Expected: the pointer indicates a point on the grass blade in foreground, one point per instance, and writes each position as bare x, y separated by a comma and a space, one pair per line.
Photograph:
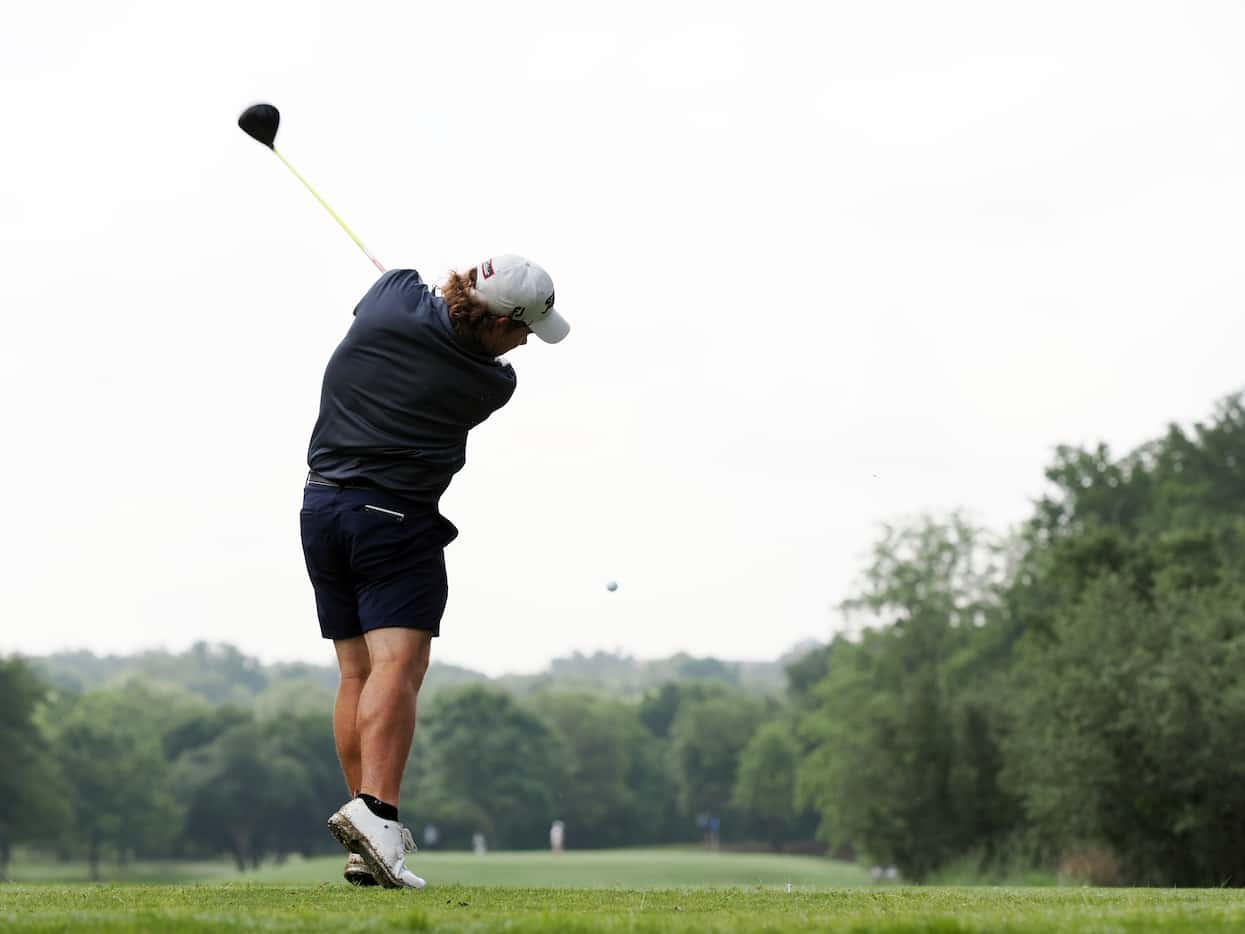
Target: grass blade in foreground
230, 907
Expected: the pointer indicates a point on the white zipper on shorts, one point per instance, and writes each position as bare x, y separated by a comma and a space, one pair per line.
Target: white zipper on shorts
388, 512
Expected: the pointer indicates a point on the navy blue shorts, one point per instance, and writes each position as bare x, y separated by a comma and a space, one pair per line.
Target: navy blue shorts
375, 560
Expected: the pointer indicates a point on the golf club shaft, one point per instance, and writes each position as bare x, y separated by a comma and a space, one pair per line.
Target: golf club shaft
374, 260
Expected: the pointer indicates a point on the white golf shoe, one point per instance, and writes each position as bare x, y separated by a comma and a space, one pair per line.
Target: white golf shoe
382, 844
356, 871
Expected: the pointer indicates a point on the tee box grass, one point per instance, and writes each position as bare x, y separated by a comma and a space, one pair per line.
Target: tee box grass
625, 890
126, 909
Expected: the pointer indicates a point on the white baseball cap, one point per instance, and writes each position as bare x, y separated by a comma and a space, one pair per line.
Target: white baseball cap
514, 287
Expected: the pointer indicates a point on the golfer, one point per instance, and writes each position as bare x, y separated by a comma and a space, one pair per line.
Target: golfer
416, 371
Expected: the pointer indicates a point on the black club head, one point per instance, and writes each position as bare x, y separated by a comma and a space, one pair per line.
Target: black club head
260, 122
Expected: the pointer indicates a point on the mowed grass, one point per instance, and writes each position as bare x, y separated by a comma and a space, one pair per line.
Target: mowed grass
602, 869
630, 869
122, 909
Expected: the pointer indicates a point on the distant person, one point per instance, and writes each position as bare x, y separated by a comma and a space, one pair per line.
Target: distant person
432, 836
478, 846
415, 372
557, 833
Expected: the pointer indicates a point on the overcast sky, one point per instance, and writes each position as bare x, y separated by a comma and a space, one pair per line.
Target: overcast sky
827, 265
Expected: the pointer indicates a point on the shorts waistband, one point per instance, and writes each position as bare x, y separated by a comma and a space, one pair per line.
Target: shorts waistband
321, 480
375, 489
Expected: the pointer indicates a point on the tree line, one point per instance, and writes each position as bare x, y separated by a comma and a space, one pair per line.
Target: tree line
1069, 693
221, 674
135, 771
1072, 690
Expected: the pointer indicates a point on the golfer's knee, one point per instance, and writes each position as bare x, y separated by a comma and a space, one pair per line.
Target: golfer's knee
356, 670
401, 654
354, 663
405, 668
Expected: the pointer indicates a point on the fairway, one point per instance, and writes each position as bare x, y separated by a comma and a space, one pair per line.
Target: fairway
238, 907
630, 869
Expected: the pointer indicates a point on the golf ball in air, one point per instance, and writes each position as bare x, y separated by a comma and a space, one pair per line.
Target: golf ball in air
612, 586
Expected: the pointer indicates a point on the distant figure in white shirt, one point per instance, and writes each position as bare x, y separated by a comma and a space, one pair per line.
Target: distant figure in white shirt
556, 833
477, 844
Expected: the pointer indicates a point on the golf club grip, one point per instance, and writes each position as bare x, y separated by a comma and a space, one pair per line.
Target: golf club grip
358, 242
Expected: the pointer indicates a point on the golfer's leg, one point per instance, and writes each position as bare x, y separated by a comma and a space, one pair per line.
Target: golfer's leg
354, 664
386, 718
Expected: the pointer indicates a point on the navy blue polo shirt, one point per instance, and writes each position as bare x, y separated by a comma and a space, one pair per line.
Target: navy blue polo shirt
401, 391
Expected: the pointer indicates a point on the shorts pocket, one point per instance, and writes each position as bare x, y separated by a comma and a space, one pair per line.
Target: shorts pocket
392, 514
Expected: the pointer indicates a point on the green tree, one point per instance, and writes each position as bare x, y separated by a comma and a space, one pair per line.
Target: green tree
33, 803
499, 762
107, 744
246, 796
659, 706
198, 725
900, 761
1134, 714
805, 672
430, 797
612, 789
707, 737
706, 669
306, 739
765, 787
1124, 609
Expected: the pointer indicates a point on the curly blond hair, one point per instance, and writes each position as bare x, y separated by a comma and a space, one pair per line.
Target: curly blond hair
468, 315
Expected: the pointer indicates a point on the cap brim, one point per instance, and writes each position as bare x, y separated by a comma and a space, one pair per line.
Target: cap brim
551, 328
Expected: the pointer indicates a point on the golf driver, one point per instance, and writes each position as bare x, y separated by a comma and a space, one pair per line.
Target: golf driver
260, 122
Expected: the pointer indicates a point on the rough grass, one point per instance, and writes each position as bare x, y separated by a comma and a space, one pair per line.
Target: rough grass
121, 909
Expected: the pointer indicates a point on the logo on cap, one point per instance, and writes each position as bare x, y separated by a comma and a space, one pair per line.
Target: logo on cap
549, 302
487, 268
